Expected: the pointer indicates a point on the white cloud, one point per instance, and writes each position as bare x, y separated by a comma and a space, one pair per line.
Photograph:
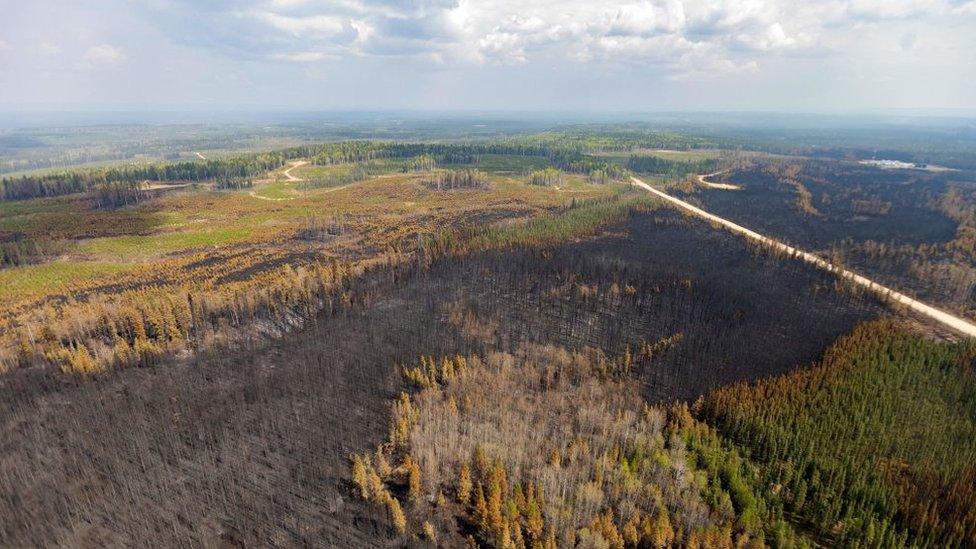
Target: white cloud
102, 55
719, 33
773, 38
4, 46
301, 56
893, 9
493, 53
966, 8
723, 35
49, 48
299, 26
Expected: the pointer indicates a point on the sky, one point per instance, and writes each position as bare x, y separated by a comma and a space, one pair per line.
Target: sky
744, 55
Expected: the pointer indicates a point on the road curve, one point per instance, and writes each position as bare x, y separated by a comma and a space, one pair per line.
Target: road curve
961, 325
289, 176
703, 179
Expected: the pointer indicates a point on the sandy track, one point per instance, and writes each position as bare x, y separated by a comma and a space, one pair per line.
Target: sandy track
703, 179
269, 199
330, 190
287, 173
954, 322
148, 185
288, 178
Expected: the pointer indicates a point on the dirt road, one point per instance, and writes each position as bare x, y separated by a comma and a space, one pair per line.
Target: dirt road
954, 322
148, 185
703, 179
287, 173
289, 178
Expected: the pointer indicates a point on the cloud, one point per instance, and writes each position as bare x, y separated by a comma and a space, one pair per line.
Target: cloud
314, 25
965, 8
301, 56
908, 41
102, 55
663, 39
876, 10
721, 34
4, 46
772, 38
49, 48
490, 53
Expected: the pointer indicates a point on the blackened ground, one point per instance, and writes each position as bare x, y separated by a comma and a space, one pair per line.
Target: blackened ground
765, 203
739, 313
252, 447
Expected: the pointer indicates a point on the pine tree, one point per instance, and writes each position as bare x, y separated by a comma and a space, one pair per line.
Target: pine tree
82, 362
480, 507
429, 532
383, 468
464, 484
413, 480
359, 475
397, 518
494, 499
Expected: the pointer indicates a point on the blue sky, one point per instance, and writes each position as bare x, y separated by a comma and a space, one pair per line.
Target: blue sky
780, 55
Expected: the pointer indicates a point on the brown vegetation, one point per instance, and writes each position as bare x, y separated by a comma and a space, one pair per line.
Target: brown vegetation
543, 448
252, 447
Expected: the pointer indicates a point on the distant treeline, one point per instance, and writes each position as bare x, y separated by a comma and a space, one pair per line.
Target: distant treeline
443, 153
229, 172
676, 168
235, 172
568, 157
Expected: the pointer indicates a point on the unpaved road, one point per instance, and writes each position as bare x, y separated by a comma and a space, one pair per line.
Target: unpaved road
287, 173
269, 199
289, 178
954, 322
148, 185
703, 179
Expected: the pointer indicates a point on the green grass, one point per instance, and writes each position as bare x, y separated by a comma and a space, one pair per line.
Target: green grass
573, 182
278, 190
17, 282
505, 164
585, 219
129, 248
103, 242
324, 177
16, 208
311, 172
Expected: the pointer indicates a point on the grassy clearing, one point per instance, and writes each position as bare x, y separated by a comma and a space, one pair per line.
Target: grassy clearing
323, 177
312, 172
32, 280
575, 183
185, 221
17, 208
278, 190
568, 225
221, 244
127, 248
581, 220
503, 164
